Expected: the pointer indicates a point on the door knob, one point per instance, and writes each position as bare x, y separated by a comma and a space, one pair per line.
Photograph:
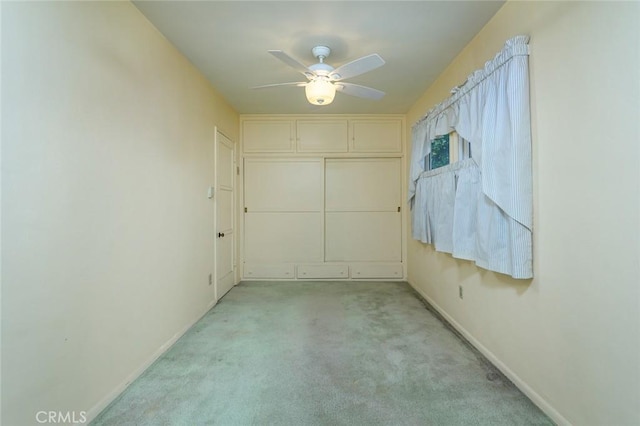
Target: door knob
220, 234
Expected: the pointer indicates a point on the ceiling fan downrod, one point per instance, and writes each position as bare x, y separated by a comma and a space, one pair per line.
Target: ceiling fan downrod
321, 52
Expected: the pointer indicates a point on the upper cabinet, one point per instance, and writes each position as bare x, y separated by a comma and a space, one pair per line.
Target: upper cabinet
376, 136
268, 136
322, 134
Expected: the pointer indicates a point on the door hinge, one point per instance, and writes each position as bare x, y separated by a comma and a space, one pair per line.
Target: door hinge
238, 170
245, 209
398, 209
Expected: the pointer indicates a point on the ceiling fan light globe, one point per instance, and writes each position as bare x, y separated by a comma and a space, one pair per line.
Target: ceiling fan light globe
320, 92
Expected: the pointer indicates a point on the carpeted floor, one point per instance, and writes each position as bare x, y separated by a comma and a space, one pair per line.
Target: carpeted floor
321, 353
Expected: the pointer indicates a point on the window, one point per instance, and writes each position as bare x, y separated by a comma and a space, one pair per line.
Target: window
439, 155
447, 149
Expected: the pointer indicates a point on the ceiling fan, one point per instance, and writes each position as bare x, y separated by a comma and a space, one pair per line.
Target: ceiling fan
324, 80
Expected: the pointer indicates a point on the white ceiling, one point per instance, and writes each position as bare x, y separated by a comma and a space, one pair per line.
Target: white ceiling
228, 42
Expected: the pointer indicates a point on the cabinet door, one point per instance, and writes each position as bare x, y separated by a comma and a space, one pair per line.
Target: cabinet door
268, 136
322, 135
376, 136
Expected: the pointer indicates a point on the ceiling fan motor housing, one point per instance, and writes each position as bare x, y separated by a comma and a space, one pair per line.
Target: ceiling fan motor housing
321, 52
321, 69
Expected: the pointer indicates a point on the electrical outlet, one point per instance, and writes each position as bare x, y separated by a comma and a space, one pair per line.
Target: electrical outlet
460, 293
210, 279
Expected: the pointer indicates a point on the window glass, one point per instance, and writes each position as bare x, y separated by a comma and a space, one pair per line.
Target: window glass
439, 155
443, 147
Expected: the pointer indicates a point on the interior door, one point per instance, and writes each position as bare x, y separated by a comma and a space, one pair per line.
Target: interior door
224, 196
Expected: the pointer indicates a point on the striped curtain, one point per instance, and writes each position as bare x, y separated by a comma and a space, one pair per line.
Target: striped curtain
487, 215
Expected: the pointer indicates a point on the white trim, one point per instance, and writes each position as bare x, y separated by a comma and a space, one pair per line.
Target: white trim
215, 212
94, 411
535, 397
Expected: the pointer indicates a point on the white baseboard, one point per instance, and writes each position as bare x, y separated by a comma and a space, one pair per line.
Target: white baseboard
111, 396
543, 404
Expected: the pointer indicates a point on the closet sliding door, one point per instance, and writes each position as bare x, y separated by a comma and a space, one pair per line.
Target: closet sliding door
284, 215
362, 215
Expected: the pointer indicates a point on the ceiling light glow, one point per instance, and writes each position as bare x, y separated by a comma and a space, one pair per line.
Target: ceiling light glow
320, 91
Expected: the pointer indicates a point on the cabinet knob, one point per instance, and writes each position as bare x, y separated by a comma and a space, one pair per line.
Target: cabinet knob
220, 234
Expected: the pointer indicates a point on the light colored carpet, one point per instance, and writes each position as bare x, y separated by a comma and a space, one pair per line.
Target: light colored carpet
321, 353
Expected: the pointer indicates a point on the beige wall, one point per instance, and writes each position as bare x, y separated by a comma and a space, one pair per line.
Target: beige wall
108, 235
570, 337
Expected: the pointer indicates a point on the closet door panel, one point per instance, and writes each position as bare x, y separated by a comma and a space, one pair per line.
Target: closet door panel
283, 237
279, 185
363, 237
363, 184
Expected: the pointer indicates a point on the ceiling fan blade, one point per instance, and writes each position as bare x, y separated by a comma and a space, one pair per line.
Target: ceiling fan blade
357, 67
294, 63
296, 83
360, 91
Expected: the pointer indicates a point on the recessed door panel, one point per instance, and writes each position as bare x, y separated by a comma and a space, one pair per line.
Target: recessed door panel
225, 166
224, 218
